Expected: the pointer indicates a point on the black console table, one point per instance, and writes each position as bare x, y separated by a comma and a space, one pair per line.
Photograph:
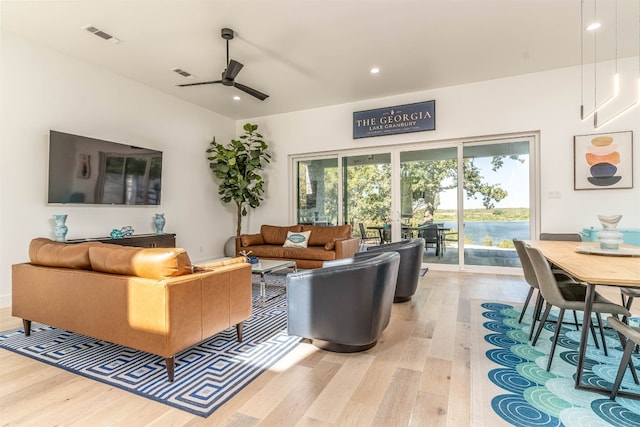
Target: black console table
141, 240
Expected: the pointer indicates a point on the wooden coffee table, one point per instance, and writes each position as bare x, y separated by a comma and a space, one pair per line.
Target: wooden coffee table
269, 266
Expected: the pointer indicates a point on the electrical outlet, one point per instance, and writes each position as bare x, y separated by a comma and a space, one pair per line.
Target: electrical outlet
554, 195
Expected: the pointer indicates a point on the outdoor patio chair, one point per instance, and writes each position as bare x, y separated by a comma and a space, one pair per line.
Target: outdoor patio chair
431, 236
366, 237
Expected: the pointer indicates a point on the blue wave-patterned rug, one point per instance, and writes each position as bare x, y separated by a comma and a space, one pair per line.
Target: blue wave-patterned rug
535, 397
206, 375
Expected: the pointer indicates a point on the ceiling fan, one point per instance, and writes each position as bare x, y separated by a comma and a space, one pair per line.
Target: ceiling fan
230, 73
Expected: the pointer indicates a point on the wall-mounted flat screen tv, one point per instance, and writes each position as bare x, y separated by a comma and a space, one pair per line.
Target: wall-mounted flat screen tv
86, 170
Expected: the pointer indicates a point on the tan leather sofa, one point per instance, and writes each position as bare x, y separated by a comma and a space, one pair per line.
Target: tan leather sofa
149, 299
326, 243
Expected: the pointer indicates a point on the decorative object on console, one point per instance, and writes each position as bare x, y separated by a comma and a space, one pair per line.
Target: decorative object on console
159, 221
60, 230
609, 237
126, 231
237, 166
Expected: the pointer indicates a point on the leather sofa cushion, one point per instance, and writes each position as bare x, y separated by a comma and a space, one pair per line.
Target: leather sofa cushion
213, 266
150, 263
321, 235
251, 239
46, 252
266, 251
311, 252
276, 235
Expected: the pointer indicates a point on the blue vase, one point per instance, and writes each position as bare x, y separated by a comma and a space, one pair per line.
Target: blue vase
60, 230
158, 221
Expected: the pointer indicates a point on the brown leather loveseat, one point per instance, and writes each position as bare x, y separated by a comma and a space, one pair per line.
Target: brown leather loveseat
325, 243
148, 299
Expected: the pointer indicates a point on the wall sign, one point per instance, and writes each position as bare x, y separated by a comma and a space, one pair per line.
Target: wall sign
407, 118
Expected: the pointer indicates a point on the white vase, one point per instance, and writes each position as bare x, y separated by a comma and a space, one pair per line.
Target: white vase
609, 238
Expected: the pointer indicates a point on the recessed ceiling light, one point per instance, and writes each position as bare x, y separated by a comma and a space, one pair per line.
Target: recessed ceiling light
593, 27
236, 98
374, 70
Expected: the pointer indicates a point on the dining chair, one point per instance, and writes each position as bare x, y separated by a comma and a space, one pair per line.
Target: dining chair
627, 295
566, 297
431, 236
532, 281
365, 237
562, 237
629, 338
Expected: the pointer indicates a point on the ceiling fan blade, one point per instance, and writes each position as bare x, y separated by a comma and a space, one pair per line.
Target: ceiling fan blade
261, 96
232, 70
201, 83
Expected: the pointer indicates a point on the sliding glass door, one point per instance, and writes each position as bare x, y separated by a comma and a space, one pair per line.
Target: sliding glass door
366, 196
496, 200
429, 206
467, 199
317, 191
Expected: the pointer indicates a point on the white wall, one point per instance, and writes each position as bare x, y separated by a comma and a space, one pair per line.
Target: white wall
547, 102
43, 90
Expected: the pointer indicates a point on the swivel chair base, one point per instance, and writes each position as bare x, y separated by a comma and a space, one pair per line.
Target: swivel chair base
341, 348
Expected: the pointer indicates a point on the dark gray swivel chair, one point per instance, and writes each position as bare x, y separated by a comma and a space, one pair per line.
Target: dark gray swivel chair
345, 305
410, 262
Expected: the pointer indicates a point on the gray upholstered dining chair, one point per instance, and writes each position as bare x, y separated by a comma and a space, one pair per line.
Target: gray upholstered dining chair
627, 295
530, 277
564, 237
629, 338
561, 237
567, 297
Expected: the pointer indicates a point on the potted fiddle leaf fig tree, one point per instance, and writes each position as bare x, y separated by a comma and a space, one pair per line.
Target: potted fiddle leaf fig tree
238, 167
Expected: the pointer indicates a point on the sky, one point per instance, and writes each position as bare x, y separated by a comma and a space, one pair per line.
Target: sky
512, 177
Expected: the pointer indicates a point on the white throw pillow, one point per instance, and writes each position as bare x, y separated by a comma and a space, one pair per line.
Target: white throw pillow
297, 239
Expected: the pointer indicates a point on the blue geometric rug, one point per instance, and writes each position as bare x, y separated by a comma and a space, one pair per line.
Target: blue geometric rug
206, 375
534, 397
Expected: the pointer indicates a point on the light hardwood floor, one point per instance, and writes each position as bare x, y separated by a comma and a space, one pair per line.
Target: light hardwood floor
417, 375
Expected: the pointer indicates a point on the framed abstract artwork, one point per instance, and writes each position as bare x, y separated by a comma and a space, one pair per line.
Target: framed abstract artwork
603, 161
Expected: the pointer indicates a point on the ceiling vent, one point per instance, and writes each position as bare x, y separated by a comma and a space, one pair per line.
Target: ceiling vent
183, 73
97, 32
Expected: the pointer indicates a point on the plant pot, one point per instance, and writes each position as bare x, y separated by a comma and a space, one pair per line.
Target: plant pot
230, 247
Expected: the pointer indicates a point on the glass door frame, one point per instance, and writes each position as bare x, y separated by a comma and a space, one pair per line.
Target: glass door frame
396, 219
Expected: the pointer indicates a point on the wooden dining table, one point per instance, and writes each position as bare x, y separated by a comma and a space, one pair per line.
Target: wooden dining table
591, 269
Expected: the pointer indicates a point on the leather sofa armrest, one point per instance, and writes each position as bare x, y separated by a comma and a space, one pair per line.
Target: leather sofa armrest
347, 248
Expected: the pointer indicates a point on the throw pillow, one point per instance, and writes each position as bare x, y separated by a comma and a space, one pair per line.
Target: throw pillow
297, 239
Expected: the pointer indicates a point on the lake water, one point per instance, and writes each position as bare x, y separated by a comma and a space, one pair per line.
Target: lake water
498, 230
